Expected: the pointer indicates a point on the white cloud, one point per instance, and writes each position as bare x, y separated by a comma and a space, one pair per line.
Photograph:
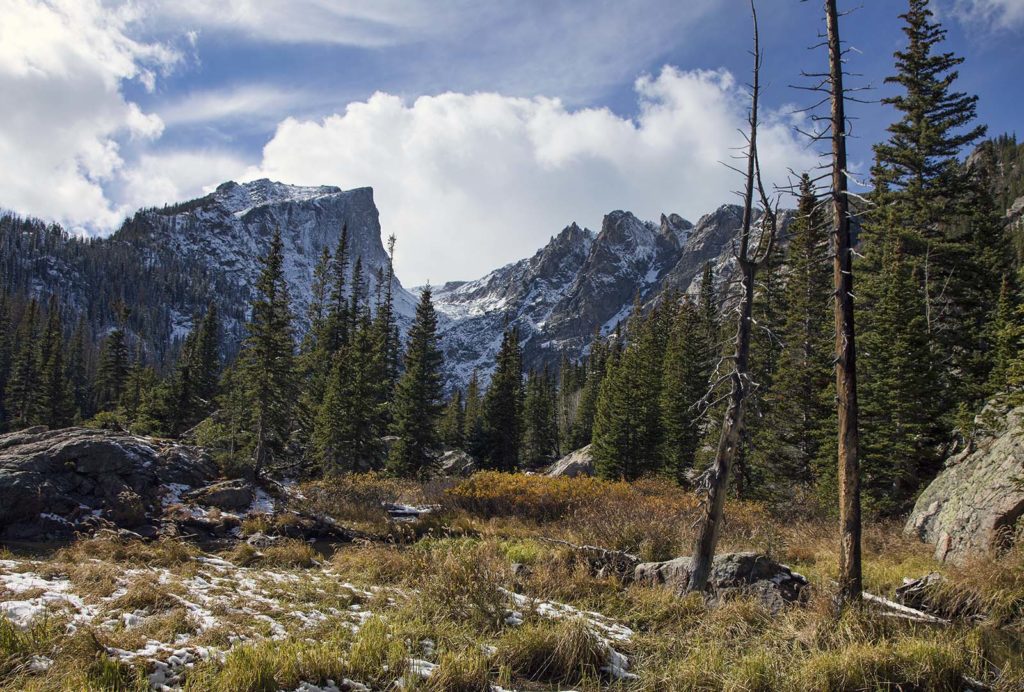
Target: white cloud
158, 179
250, 101
998, 14
62, 66
355, 22
470, 181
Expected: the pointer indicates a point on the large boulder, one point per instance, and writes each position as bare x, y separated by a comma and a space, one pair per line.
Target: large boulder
61, 480
578, 463
974, 506
751, 573
455, 462
231, 495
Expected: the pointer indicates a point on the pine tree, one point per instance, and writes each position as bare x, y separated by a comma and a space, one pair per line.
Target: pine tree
453, 423
684, 383
314, 361
25, 375
473, 428
112, 372
267, 362
917, 168
54, 402
337, 317
418, 396
358, 295
386, 328
503, 407
6, 329
540, 422
206, 359
1004, 340
627, 430
798, 417
349, 422
582, 431
708, 310
78, 375
950, 230
898, 433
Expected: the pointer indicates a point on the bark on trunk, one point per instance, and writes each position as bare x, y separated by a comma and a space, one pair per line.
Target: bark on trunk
850, 583
717, 479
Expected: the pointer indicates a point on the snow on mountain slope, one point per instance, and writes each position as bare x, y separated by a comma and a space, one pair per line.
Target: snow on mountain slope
577, 283
230, 229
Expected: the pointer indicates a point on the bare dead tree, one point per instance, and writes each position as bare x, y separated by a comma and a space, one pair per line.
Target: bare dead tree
748, 258
850, 582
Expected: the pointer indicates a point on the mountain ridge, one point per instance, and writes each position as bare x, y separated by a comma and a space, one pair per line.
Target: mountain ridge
580, 282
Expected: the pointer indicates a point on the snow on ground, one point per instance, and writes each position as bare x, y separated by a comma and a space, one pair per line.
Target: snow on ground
244, 604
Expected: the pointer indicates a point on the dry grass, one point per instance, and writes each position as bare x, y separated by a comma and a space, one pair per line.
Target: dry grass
437, 595
564, 651
146, 593
109, 547
285, 552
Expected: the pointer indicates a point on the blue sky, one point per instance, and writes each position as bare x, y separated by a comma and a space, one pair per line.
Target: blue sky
483, 126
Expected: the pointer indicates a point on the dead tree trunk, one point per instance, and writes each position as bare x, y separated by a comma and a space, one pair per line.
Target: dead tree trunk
850, 585
716, 480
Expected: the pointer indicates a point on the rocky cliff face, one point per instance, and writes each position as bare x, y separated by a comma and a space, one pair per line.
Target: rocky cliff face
227, 232
975, 505
579, 284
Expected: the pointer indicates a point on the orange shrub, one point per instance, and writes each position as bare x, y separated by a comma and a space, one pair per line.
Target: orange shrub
493, 494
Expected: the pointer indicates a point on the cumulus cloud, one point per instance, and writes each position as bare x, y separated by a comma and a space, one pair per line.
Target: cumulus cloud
998, 14
161, 178
471, 181
62, 66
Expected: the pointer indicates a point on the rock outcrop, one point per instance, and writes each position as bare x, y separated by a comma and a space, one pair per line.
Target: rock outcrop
578, 463
455, 462
974, 506
61, 481
751, 573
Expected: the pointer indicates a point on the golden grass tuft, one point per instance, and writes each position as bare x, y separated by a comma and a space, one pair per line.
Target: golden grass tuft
563, 651
109, 547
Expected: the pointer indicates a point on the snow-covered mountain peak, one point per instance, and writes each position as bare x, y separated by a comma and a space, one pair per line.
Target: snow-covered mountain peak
239, 198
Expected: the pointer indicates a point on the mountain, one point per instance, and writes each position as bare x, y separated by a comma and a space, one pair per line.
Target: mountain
578, 284
166, 263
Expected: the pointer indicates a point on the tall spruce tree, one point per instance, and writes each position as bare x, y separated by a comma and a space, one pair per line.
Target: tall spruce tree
25, 369
797, 415
540, 421
917, 169
349, 422
452, 427
581, 432
627, 424
112, 372
924, 191
1004, 339
54, 400
686, 372
314, 360
899, 436
78, 373
5, 355
473, 429
267, 362
503, 407
337, 315
418, 396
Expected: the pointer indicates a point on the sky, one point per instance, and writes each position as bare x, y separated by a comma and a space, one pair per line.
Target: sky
484, 126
